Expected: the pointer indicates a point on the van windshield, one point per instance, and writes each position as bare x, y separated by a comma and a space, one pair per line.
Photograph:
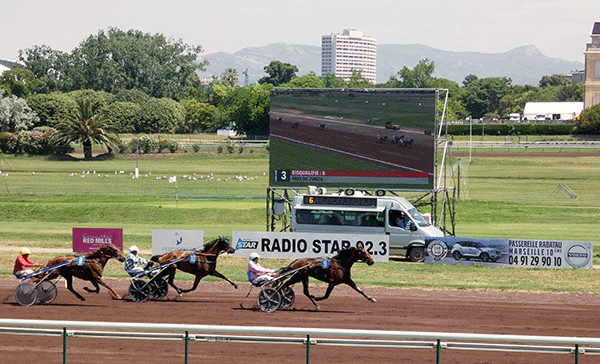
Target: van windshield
419, 219
340, 217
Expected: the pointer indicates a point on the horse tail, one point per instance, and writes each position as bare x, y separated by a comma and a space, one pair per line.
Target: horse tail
155, 258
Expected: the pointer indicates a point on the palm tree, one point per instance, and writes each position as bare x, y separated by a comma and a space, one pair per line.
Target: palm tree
86, 125
230, 77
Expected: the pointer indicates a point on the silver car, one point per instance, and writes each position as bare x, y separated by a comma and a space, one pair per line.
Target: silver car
475, 250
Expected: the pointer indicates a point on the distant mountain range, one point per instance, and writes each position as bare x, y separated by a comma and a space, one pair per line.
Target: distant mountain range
524, 65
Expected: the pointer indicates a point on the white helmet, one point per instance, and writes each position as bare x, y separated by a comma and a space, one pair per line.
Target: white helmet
254, 256
133, 249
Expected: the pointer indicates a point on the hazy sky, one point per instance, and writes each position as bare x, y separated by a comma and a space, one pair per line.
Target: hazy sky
559, 29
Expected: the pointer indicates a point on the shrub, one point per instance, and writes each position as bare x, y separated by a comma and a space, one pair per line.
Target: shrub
146, 144
39, 142
14, 143
8, 142
122, 146
162, 145
229, 146
173, 145
196, 147
589, 122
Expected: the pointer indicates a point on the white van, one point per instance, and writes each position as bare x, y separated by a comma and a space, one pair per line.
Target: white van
357, 214
515, 117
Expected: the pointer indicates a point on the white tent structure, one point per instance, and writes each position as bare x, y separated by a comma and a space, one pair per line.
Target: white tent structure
566, 110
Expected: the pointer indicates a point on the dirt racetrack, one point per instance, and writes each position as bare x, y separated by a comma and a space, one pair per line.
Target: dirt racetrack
484, 312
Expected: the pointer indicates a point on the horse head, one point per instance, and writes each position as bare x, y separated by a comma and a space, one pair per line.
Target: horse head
111, 251
361, 254
225, 245
218, 246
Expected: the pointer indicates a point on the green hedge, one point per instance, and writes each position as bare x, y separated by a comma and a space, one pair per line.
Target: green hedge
511, 129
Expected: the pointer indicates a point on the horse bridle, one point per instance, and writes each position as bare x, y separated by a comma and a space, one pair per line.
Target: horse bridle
95, 260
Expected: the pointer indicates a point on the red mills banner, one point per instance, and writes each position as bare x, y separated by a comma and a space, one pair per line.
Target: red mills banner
86, 240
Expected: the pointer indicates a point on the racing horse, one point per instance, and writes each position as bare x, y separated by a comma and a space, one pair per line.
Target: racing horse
205, 263
338, 271
91, 270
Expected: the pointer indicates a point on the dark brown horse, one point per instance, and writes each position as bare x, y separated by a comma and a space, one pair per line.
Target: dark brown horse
205, 263
91, 270
338, 271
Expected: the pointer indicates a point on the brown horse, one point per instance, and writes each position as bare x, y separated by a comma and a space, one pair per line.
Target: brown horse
338, 271
91, 270
205, 263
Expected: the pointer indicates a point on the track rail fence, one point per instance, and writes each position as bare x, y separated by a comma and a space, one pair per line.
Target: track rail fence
308, 337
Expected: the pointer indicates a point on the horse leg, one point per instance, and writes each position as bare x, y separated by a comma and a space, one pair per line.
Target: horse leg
114, 294
304, 279
327, 293
307, 294
97, 290
355, 287
219, 275
69, 279
196, 282
171, 280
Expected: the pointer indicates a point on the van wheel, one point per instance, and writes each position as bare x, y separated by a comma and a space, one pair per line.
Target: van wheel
416, 254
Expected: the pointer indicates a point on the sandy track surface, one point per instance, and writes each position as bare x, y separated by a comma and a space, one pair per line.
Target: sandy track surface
484, 312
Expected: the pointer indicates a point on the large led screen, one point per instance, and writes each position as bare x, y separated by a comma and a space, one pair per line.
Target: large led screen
353, 138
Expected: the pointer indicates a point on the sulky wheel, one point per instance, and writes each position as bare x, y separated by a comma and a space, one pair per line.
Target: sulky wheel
269, 300
158, 288
25, 294
139, 291
287, 297
46, 292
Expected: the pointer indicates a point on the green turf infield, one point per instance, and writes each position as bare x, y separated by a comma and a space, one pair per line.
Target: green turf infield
41, 200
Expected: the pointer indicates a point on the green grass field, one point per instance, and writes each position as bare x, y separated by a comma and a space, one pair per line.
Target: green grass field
501, 197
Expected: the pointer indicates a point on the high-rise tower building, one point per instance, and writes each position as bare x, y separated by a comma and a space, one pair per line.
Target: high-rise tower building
351, 50
592, 69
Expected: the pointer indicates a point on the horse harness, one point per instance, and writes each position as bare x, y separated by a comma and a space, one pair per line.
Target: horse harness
207, 261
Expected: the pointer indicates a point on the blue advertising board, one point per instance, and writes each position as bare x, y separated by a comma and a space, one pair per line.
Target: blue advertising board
555, 254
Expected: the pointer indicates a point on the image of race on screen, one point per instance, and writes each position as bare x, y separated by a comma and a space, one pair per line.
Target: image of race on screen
376, 138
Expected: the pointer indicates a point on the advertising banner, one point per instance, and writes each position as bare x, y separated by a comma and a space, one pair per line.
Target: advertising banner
286, 245
555, 254
87, 240
164, 241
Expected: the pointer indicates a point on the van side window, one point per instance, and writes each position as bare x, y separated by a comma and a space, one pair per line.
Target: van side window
369, 219
306, 217
328, 217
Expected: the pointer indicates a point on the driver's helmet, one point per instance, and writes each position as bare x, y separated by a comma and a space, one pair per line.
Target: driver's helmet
254, 256
133, 249
24, 251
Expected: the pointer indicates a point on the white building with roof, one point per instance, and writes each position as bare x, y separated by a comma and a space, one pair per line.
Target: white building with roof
566, 110
592, 69
350, 50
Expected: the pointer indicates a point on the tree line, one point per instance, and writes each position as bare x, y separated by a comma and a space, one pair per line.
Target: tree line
135, 82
